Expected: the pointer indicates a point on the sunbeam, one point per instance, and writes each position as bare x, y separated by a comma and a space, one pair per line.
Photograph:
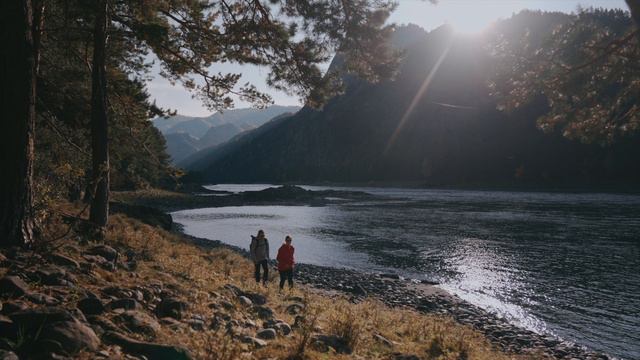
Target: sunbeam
419, 94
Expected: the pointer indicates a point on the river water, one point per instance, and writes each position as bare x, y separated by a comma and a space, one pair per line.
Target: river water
557, 263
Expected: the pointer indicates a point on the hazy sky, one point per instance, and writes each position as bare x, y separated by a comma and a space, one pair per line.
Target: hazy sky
465, 15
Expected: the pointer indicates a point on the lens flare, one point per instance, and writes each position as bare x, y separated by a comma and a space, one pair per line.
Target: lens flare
423, 88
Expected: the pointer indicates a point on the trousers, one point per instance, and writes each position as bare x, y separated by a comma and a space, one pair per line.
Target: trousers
265, 271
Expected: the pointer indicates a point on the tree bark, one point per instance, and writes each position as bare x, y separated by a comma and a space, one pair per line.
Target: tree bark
634, 7
18, 67
99, 122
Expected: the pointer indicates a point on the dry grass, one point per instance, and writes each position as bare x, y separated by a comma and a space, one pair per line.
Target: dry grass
200, 274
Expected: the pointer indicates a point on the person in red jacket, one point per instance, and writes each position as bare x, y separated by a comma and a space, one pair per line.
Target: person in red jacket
285, 262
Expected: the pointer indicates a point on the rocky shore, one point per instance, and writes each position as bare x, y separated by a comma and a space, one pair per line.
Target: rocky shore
428, 298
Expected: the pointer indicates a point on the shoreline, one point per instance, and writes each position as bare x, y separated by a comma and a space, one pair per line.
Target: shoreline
621, 189
388, 289
426, 298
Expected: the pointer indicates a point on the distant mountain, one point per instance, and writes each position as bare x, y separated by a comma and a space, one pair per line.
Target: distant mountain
451, 134
186, 135
218, 134
180, 145
243, 118
205, 156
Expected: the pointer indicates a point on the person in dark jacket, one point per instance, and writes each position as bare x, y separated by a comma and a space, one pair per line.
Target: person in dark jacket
285, 262
259, 250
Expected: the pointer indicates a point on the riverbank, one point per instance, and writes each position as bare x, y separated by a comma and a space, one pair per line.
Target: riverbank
142, 292
432, 300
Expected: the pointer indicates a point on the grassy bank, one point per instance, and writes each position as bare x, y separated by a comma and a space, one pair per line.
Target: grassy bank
217, 323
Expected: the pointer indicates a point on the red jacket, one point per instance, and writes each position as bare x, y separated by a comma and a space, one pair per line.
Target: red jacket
285, 257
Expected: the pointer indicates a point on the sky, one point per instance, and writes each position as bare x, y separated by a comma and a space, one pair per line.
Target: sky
466, 16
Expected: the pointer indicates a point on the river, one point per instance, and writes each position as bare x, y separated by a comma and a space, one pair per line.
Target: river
563, 264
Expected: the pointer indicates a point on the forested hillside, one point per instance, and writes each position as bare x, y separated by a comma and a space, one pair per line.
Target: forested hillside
452, 134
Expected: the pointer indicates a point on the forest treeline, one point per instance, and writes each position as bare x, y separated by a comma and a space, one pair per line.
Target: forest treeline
75, 111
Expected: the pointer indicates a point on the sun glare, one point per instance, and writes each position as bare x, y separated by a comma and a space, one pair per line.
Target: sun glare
471, 18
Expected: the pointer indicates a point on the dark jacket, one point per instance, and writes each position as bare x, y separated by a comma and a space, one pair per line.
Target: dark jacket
259, 249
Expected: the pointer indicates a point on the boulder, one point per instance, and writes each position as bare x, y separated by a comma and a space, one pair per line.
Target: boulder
43, 299
266, 334
10, 307
63, 260
53, 275
127, 304
263, 312
227, 305
138, 322
13, 286
283, 328
55, 330
255, 298
117, 292
245, 301
171, 307
106, 251
258, 343
147, 349
91, 306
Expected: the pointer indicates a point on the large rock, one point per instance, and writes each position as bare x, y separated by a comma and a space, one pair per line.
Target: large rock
64, 260
255, 298
254, 341
55, 330
53, 275
106, 251
13, 286
138, 322
91, 306
263, 312
150, 350
42, 299
171, 307
126, 303
283, 328
266, 334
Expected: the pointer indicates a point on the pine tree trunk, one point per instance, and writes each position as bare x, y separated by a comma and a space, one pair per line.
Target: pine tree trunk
634, 7
17, 121
99, 123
